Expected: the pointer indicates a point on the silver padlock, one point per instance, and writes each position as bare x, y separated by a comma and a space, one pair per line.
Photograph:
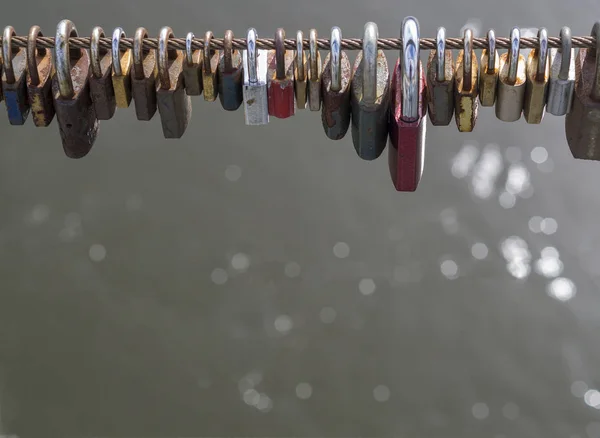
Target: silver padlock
512, 81
562, 76
256, 101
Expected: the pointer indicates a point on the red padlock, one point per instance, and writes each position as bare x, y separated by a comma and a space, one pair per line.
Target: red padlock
406, 152
280, 90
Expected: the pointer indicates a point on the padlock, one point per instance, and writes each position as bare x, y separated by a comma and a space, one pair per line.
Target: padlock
280, 79
314, 73
101, 86
408, 124
174, 105
562, 76
210, 69
14, 79
39, 80
121, 74
582, 124
440, 82
510, 95
370, 98
256, 104
75, 111
143, 77
192, 68
300, 73
538, 75
231, 75
490, 67
466, 86
335, 82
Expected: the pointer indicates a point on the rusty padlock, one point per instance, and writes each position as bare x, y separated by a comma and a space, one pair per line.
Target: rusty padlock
490, 67
174, 105
512, 80
582, 124
336, 79
370, 97
314, 73
101, 86
75, 112
538, 75
14, 79
39, 80
466, 87
256, 105
143, 77
440, 82
408, 125
192, 68
562, 76
300, 73
121, 74
231, 75
210, 69
280, 79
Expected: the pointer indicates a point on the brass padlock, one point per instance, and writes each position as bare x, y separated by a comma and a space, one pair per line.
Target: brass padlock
538, 74
14, 79
582, 124
210, 67
192, 68
75, 112
101, 86
314, 73
490, 68
174, 105
39, 80
300, 73
511, 81
466, 86
121, 74
143, 77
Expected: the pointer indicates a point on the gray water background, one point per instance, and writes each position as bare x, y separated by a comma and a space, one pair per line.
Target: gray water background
264, 281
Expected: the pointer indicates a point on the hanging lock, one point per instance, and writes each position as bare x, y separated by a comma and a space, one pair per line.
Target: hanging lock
511, 81
192, 68
101, 86
39, 80
14, 79
440, 82
231, 75
256, 105
582, 124
370, 97
121, 75
174, 105
408, 126
75, 111
280, 79
490, 67
314, 73
143, 77
538, 74
210, 69
466, 86
300, 72
336, 78
562, 76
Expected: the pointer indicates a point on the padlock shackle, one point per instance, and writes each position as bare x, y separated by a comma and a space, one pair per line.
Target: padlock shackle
95, 51
314, 53
138, 52
513, 55
542, 54
492, 52
300, 56
9, 32
64, 31
163, 57
467, 59
189, 51
596, 84
118, 33
280, 53
32, 52
251, 38
369, 72
566, 43
440, 51
336, 58
228, 51
410, 67
207, 53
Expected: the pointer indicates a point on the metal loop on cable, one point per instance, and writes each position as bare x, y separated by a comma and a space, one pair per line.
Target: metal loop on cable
116, 51
336, 59
513, 54
440, 43
369, 75
251, 53
410, 68
566, 49
163, 57
138, 52
32, 52
7, 53
189, 51
300, 55
491, 38
65, 30
95, 51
